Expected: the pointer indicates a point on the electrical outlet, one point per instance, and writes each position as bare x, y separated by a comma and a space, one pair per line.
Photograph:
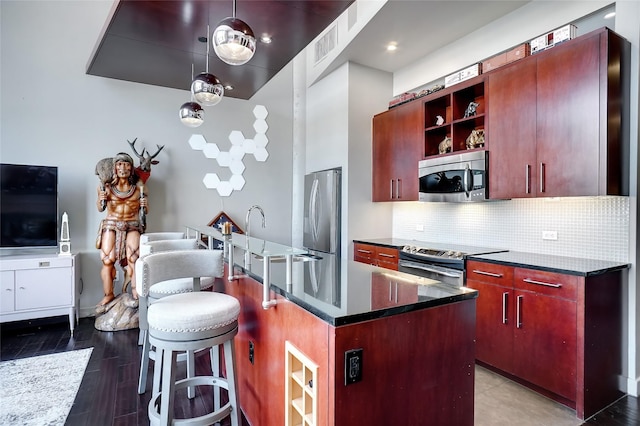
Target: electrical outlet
550, 235
352, 366
420, 228
251, 352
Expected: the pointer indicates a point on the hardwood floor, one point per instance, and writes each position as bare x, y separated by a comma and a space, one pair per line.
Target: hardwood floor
108, 392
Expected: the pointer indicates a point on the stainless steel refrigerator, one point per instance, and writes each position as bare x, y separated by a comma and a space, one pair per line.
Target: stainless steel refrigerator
322, 233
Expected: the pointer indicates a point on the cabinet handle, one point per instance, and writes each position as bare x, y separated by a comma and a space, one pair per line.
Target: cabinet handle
396, 295
542, 177
491, 274
527, 176
364, 251
505, 300
399, 188
530, 281
518, 312
385, 255
390, 298
391, 188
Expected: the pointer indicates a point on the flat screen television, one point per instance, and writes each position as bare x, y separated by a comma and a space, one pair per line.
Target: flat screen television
28, 206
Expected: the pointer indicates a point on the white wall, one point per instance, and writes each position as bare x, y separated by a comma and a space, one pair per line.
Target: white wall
53, 113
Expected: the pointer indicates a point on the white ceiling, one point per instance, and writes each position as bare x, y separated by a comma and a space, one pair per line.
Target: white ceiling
419, 27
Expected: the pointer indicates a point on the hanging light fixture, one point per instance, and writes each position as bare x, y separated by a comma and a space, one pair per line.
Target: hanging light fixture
233, 40
191, 113
207, 88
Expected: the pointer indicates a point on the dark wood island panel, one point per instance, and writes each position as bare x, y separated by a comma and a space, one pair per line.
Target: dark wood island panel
417, 365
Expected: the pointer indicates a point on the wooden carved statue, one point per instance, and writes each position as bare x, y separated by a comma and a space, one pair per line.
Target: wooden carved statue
123, 196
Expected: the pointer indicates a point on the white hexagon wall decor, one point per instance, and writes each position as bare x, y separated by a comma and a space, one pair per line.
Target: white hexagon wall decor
234, 158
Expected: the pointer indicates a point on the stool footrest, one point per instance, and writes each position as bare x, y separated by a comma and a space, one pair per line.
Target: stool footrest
204, 420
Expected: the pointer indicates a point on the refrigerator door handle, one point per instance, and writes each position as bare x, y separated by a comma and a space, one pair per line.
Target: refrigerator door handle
313, 213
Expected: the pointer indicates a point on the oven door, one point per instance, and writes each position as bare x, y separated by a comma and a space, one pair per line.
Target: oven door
455, 178
443, 274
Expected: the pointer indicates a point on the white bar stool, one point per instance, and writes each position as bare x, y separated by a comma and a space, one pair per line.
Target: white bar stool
167, 288
189, 322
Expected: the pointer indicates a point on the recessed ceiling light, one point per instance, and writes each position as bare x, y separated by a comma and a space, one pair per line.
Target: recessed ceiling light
266, 39
609, 15
392, 46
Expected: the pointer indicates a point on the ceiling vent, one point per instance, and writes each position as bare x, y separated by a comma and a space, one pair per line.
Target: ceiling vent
326, 44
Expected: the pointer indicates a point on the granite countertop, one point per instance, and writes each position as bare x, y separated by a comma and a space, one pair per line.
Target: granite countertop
551, 263
348, 292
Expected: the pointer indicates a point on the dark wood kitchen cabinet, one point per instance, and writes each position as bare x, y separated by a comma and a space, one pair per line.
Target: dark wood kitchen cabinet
554, 120
557, 333
385, 257
397, 148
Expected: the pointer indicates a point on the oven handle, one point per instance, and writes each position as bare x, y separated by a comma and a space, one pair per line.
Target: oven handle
412, 265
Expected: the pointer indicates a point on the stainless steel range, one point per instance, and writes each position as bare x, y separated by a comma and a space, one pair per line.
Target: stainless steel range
442, 262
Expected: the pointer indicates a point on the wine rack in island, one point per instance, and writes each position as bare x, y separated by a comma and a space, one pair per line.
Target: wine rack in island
300, 389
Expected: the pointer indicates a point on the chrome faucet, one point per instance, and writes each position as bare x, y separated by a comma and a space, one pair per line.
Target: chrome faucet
247, 226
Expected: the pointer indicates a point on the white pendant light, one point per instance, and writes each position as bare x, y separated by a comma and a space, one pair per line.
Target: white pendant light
206, 88
233, 40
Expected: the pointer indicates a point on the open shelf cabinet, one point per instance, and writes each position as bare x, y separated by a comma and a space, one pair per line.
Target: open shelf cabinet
300, 388
451, 107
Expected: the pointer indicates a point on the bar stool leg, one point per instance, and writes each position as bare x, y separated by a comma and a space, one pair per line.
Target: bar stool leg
214, 354
144, 363
157, 371
168, 387
230, 367
191, 372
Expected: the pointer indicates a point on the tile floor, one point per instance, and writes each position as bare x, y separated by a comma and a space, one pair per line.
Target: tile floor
500, 401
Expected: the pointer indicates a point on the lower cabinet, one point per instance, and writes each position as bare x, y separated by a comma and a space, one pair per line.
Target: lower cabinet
38, 286
556, 332
385, 257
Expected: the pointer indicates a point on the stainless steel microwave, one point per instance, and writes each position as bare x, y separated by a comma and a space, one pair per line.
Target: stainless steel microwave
454, 178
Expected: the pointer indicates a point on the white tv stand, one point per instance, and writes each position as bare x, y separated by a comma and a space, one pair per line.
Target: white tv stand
38, 286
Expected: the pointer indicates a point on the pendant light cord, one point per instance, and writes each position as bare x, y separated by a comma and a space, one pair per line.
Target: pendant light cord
207, 66
234, 8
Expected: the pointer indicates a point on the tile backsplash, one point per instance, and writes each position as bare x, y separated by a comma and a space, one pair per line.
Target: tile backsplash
586, 227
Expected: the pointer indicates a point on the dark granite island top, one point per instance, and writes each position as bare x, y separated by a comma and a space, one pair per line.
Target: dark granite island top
347, 292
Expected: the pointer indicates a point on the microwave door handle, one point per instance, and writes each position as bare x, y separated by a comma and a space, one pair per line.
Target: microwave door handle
467, 180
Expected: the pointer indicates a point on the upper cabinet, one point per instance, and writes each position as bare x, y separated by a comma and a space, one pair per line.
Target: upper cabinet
554, 120
551, 122
397, 148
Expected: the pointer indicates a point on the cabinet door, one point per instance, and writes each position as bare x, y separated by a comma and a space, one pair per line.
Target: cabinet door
494, 329
397, 147
383, 167
7, 300
407, 150
364, 253
545, 343
387, 258
568, 116
512, 129
43, 288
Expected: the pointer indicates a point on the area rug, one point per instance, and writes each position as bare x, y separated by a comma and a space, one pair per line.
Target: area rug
39, 391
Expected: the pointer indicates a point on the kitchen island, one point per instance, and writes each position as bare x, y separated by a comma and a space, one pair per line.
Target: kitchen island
364, 346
